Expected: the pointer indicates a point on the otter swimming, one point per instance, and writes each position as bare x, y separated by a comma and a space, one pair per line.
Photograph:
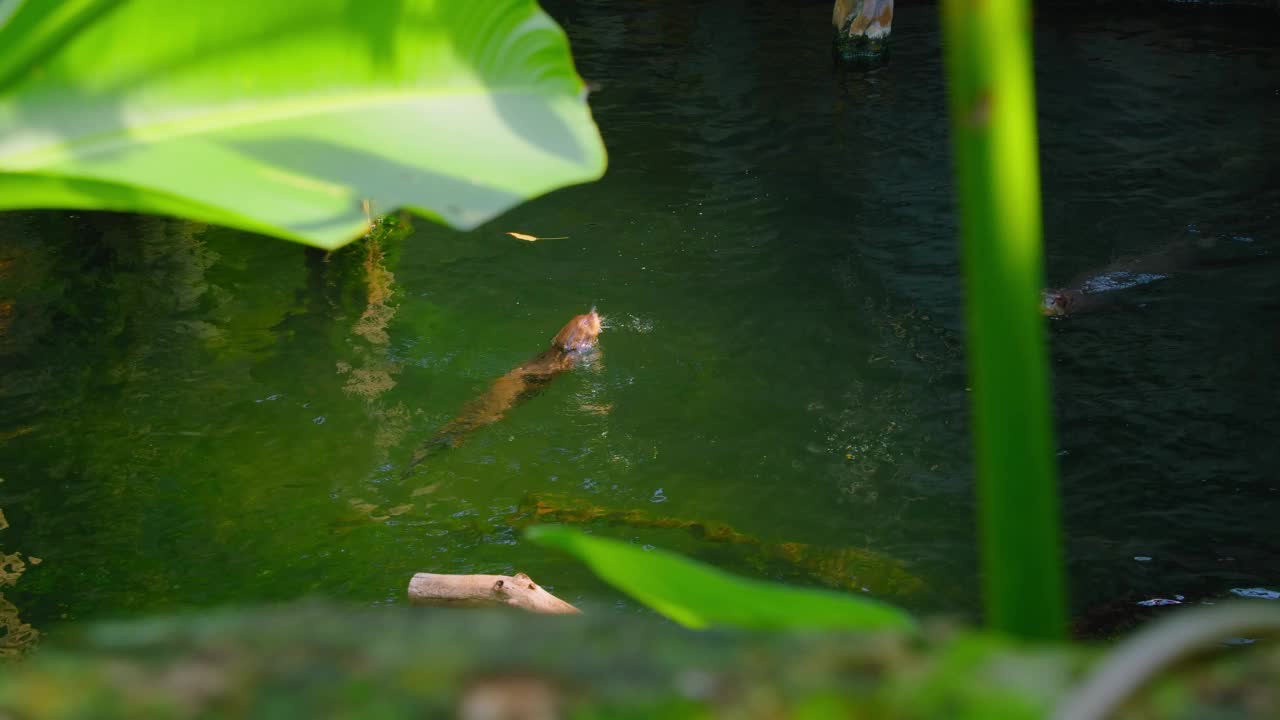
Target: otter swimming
575, 342
1091, 290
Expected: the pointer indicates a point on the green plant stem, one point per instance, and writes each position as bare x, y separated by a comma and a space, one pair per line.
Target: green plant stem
992, 103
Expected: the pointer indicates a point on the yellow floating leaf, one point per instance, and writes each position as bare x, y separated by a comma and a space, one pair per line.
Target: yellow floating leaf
531, 238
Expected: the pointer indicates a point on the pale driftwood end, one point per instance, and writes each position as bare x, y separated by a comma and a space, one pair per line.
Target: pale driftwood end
518, 591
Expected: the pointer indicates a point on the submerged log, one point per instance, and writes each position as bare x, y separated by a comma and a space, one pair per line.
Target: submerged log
862, 30
518, 591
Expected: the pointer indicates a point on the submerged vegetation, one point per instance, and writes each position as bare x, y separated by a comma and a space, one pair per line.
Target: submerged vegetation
16, 637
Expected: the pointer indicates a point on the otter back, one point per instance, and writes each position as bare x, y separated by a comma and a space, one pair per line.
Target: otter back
575, 342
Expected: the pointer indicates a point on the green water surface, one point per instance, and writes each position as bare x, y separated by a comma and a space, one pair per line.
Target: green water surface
195, 417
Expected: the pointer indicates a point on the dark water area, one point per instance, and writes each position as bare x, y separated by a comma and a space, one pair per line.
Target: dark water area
193, 417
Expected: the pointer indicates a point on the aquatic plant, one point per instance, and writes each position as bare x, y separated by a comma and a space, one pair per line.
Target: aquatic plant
289, 118
700, 596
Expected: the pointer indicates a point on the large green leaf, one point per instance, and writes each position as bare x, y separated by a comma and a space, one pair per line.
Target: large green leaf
284, 117
699, 596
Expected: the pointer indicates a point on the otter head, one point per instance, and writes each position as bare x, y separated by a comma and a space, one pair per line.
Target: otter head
1056, 303
579, 334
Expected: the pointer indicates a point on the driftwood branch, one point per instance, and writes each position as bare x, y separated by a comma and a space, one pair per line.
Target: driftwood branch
516, 591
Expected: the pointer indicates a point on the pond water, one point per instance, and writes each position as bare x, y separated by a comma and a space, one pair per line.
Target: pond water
195, 417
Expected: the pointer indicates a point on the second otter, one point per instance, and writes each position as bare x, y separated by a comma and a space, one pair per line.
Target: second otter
1092, 290
575, 342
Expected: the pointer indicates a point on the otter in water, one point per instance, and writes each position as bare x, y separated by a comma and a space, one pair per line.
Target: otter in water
1092, 290
575, 342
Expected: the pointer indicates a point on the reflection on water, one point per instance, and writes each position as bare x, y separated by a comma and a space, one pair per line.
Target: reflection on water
1120, 280
373, 373
192, 417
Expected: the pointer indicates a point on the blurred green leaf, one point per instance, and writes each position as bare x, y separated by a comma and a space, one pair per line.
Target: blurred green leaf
699, 596
285, 117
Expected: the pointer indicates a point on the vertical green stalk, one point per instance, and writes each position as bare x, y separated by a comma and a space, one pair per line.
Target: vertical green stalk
992, 101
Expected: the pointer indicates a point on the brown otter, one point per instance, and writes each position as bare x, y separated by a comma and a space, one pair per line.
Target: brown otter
575, 342
1094, 289
1091, 290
